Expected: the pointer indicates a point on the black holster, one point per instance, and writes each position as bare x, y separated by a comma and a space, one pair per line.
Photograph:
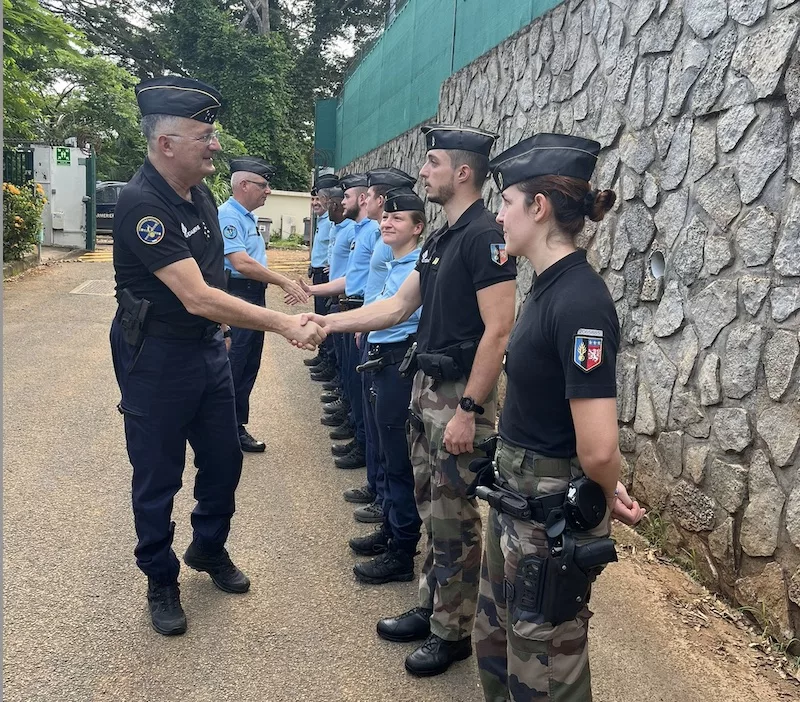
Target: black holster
134, 316
409, 365
454, 363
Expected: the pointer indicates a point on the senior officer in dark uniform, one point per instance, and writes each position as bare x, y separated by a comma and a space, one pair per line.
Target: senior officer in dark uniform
168, 349
465, 284
246, 266
558, 435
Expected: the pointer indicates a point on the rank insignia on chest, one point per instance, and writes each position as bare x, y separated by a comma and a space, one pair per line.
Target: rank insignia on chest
587, 352
499, 255
150, 230
352, 244
435, 261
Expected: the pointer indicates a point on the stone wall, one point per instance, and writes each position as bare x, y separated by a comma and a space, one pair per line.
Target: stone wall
696, 104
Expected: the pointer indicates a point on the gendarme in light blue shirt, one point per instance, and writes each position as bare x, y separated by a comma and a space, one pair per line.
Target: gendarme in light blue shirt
367, 234
399, 270
378, 270
322, 238
343, 238
239, 233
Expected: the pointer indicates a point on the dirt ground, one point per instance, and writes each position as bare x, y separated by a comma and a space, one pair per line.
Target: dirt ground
75, 624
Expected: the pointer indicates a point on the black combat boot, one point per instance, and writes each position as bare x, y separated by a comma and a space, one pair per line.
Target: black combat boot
343, 432
343, 449
436, 655
164, 602
359, 495
332, 385
224, 574
369, 514
250, 444
413, 625
336, 419
375, 543
357, 458
313, 362
392, 566
323, 374
331, 396
336, 406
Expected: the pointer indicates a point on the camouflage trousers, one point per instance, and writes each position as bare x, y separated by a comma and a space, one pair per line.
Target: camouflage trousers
449, 579
519, 657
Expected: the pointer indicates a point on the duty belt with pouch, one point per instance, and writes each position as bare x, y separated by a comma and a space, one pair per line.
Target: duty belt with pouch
454, 363
382, 355
554, 588
350, 303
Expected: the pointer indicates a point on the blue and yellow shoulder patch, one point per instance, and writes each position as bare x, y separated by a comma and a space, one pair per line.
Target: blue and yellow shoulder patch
229, 232
150, 230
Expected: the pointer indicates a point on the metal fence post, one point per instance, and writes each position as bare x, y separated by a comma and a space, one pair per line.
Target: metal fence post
91, 202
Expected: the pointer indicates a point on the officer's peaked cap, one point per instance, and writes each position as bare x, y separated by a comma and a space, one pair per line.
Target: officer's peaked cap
251, 164
403, 200
326, 180
392, 177
450, 136
178, 96
354, 180
545, 154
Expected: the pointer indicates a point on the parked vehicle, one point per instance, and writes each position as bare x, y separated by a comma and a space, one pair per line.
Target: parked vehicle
107, 194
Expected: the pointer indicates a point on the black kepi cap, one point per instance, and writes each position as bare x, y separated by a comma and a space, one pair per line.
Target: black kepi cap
545, 154
180, 97
450, 136
326, 180
403, 200
392, 177
251, 164
354, 180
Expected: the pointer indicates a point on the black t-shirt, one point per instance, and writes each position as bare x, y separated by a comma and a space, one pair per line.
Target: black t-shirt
154, 227
563, 346
454, 264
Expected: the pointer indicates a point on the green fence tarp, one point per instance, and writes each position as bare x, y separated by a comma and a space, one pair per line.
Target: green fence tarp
396, 84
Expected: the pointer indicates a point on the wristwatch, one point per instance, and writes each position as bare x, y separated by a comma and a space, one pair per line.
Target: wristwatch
469, 405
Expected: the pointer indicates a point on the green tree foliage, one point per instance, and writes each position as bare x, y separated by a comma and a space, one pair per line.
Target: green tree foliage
251, 73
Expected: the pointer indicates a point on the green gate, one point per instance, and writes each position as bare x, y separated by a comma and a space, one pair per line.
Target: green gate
17, 166
91, 201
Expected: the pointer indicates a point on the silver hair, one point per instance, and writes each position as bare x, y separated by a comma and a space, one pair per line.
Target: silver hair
153, 126
236, 178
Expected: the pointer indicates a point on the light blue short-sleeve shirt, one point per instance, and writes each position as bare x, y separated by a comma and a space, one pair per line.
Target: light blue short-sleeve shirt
378, 270
239, 233
367, 234
322, 238
399, 270
344, 238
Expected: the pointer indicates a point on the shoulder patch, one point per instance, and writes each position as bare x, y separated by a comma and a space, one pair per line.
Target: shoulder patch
229, 232
498, 252
150, 230
587, 352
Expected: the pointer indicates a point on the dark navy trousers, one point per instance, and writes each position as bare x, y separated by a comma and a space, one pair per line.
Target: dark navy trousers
392, 399
352, 357
374, 460
247, 347
174, 391
318, 277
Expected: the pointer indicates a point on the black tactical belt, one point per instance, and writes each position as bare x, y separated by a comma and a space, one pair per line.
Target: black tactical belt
350, 303
316, 270
245, 284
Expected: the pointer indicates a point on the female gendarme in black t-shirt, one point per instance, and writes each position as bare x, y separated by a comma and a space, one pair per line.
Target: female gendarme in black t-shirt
559, 422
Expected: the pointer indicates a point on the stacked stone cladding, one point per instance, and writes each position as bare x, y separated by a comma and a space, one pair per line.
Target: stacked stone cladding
696, 104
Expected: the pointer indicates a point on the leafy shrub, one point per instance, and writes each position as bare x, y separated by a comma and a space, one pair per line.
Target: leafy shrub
22, 219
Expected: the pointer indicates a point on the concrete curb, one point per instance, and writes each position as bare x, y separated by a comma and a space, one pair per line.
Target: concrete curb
33, 260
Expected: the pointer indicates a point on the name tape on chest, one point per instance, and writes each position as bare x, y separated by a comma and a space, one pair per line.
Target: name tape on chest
499, 254
150, 230
587, 352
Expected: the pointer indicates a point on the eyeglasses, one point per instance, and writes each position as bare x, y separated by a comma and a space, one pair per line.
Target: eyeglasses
263, 186
205, 138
